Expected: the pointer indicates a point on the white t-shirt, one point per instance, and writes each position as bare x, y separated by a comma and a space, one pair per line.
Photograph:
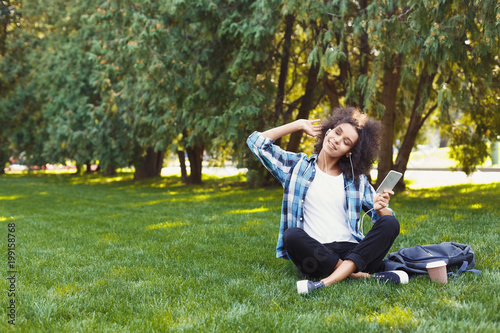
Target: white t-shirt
325, 216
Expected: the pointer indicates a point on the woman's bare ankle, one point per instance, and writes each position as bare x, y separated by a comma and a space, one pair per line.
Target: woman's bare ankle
360, 275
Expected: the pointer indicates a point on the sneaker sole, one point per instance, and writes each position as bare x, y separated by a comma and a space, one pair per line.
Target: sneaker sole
403, 276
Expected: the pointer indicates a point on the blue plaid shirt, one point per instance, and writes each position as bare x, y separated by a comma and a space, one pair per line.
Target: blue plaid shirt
296, 171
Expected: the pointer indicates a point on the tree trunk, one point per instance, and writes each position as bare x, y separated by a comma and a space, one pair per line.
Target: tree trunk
182, 161
331, 92
364, 55
305, 107
151, 165
345, 71
195, 156
391, 80
417, 120
88, 167
79, 169
3, 161
3, 28
110, 170
285, 57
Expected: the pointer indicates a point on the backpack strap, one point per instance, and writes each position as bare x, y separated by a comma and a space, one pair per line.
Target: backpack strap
463, 268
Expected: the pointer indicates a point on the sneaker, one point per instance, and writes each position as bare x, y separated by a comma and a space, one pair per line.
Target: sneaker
392, 277
306, 286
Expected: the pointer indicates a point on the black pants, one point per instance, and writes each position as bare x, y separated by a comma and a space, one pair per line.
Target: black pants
316, 260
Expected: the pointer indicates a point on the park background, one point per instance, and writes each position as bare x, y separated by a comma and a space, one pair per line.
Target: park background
101, 100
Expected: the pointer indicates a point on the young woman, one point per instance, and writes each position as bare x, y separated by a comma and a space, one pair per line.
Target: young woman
324, 195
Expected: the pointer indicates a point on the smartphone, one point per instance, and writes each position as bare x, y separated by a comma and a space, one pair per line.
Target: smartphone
390, 181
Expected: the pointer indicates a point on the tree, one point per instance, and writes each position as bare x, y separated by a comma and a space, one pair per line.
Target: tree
10, 19
130, 71
119, 82
477, 122
396, 60
41, 87
456, 52
220, 50
87, 77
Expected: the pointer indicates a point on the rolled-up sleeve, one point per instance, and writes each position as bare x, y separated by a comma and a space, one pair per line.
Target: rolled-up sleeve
276, 160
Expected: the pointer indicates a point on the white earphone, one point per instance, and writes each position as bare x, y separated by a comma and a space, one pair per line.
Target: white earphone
352, 181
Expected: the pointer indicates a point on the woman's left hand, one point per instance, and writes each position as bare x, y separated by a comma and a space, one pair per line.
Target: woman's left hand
381, 201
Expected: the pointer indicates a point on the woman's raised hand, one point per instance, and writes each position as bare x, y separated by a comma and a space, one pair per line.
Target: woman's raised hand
309, 127
300, 124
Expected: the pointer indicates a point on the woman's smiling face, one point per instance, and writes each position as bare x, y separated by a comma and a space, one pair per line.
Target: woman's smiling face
340, 140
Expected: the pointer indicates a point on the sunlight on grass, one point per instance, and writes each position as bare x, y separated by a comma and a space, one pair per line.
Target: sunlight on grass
171, 193
3, 218
250, 211
11, 197
166, 225
451, 302
66, 289
97, 179
476, 206
194, 198
118, 271
394, 318
420, 218
107, 180
149, 203
165, 320
403, 230
41, 172
189, 198
408, 225
332, 318
458, 217
421, 195
251, 224
108, 238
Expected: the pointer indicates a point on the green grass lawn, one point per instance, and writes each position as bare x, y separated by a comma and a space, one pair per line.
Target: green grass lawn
97, 254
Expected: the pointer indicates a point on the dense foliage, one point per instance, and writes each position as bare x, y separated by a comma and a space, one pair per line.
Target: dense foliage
122, 82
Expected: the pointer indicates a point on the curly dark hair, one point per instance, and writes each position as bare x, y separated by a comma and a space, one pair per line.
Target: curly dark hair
365, 152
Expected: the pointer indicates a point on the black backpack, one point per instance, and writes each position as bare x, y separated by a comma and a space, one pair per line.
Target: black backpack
413, 260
